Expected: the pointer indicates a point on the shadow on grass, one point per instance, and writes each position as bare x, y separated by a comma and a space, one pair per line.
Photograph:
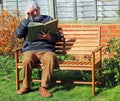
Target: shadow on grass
66, 78
64, 85
66, 81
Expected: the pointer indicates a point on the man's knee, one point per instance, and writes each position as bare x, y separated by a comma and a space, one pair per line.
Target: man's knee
49, 55
27, 57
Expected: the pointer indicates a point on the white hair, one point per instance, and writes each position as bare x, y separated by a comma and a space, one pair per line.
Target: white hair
33, 5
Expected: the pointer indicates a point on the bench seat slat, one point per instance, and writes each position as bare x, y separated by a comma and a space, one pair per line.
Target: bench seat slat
79, 32
71, 28
78, 44
67, 64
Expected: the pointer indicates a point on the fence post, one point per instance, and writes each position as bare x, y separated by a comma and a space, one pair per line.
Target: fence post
17, 7
51, 6
75, 10
1, 2
95, 5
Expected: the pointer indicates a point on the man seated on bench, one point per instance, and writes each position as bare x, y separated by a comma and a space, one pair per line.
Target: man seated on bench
37, 51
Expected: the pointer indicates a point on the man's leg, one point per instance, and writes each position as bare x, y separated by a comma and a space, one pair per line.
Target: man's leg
48, 60
28, 61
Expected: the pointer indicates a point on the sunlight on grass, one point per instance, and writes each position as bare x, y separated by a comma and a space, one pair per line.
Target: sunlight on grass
111, 94
61, 92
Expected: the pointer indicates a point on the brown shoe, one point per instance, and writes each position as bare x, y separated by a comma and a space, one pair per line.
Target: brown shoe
44, 92
23, 90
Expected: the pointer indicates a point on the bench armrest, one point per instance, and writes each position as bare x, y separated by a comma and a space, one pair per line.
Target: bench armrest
94, 60
97, 49
17, 49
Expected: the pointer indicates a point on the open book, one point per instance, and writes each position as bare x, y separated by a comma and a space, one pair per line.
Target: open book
35, 28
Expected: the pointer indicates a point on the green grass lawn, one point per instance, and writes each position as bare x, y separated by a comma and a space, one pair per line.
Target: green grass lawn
61, 92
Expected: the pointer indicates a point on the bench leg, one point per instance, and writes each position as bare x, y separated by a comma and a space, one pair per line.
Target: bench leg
100, 69
100, 75
17, 79
93, 74
93, 83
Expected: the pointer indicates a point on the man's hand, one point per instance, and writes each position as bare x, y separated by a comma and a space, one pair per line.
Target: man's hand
44, 35
28, 13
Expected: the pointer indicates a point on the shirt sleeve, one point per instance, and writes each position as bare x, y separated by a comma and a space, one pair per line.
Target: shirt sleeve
21, 30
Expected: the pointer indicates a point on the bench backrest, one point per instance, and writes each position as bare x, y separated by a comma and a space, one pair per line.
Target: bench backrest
78, 40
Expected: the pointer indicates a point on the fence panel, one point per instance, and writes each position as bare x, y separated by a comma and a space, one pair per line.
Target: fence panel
69, 9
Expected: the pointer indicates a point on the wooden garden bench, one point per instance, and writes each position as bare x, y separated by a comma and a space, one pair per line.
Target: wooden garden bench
81, 43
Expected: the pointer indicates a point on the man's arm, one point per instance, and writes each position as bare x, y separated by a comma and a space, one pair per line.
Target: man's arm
21, 30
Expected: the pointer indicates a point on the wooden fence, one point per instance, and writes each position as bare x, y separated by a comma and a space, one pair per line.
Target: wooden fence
70, 9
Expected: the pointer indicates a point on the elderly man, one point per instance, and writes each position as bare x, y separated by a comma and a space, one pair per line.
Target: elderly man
37, 51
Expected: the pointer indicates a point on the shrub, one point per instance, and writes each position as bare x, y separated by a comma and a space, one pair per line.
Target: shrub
7, 64
111, 64
65, 57
8, 23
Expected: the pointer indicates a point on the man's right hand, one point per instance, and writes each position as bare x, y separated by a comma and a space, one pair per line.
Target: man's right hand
28, 13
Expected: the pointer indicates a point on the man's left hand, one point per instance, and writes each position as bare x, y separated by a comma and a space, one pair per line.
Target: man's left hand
44, 35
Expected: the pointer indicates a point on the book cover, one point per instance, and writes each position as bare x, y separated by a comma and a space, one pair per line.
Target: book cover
35, 28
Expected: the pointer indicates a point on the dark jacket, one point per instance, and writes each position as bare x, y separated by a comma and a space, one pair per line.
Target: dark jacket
41, 45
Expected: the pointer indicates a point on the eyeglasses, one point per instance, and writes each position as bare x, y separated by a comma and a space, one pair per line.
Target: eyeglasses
35, 10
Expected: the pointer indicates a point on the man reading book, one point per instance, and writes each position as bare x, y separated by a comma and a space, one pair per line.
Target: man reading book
37, 51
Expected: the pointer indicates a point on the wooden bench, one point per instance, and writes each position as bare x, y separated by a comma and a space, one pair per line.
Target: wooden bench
80, 42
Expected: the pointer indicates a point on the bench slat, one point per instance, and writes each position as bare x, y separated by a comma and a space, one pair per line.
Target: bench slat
80, 32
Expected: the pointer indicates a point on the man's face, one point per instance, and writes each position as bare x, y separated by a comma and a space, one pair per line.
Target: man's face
35, 14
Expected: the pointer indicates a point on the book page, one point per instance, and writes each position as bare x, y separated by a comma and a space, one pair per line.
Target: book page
32, 24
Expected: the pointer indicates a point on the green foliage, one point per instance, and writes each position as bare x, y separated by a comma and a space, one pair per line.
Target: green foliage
111, 65
65, 57
114, 46
7, 64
